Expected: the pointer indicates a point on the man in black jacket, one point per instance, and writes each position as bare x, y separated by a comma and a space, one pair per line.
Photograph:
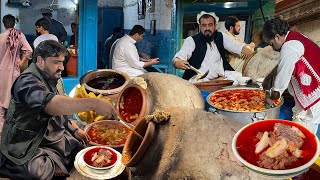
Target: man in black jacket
38, 140
205, 51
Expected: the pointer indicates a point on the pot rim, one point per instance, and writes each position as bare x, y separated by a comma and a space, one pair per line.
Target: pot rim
143, 110
234, 111
104, 92
145, 143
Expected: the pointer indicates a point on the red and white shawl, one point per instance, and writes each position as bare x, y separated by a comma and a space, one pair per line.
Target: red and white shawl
306, 75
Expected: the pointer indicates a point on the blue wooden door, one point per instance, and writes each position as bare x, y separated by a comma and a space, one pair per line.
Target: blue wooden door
87, 41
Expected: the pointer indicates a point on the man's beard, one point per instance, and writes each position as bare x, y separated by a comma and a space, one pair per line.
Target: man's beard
52, 76
235, 32
207, 38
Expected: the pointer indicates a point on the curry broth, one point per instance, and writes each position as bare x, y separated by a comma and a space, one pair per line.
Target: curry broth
108, 133
130, 104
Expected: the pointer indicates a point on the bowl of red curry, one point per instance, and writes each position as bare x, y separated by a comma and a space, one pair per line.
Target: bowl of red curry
278, 149
100, 157
109, 133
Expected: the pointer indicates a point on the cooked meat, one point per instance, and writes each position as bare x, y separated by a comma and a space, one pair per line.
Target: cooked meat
101, 158
272, 138
259, 135
285, 142
285, 131
277, 148
298, 131
263, 143
279, 162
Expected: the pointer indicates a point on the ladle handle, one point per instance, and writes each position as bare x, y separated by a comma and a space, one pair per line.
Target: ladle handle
194, 69
130, 128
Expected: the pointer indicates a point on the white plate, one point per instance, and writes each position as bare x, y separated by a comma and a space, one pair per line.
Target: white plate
73, 91
86, 171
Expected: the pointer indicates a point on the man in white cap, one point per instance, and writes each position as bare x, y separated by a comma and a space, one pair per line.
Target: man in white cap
205, 51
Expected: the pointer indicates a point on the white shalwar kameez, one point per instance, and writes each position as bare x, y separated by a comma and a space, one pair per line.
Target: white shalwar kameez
290, 53
212, 60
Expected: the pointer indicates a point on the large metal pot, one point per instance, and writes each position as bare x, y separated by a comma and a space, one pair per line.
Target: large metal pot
245, 117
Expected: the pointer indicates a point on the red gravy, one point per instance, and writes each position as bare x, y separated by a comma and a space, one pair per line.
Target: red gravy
88, 156
132, 104
120, 139
247, 141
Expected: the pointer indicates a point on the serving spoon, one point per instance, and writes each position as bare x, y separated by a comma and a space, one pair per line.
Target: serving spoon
200, 75
130, 128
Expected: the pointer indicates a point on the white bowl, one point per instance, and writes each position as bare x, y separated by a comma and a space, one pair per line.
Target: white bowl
246, 133
243, 80
89, 153
259, 81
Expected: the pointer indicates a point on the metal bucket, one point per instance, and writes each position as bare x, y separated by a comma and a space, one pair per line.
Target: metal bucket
245, 117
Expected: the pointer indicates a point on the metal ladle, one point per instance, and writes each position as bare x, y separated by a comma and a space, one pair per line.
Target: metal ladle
107, 83
199, 73
130, 128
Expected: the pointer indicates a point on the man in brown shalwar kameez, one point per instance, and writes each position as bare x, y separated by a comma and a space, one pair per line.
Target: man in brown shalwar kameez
38, 141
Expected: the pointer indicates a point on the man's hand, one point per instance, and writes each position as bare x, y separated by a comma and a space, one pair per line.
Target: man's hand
154, 61
266, 84
252, 45
181, 64
82, 136
151, 62
105, 108
270, 102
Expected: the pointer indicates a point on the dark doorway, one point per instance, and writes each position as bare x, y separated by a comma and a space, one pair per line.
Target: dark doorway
108, 19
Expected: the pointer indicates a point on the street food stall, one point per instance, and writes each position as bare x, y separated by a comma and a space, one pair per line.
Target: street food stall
169, 128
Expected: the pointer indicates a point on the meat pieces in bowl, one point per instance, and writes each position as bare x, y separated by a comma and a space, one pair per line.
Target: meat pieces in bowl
276, 148
280, 147
100, 157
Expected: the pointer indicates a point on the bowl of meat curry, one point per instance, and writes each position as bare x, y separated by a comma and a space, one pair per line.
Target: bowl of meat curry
278, 149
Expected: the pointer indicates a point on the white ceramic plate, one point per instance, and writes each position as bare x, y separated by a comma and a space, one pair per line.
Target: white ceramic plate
86, 171
73, 91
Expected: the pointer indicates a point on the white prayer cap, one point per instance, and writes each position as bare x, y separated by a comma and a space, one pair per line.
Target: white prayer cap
210, 13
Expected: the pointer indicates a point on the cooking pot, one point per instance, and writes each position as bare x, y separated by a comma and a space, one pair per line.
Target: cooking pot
245, 117
104, 81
